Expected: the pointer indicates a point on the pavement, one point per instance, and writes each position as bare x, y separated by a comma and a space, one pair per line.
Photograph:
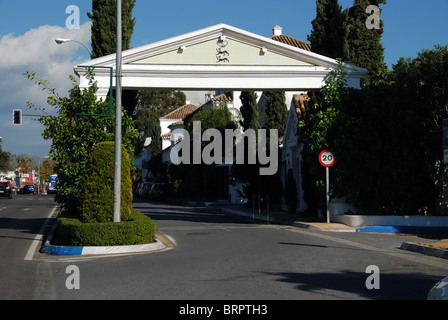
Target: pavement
437, 248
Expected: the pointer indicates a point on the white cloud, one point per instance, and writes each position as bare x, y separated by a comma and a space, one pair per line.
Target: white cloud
35, 51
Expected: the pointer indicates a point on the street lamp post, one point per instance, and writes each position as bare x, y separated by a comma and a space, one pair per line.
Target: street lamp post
117, 169
62, 40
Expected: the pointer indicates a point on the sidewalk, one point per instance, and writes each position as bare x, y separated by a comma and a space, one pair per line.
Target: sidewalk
281, 217
437, 249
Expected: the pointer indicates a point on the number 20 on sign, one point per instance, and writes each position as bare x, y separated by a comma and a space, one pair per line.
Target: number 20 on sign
327, 159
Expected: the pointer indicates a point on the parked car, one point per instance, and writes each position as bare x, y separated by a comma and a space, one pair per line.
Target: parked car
28, 188
146, 189
439, 291
157, 191
6, 189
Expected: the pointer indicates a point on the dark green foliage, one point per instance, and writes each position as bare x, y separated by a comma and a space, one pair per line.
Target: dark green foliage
276, 111
139, 229
387, 139
365, 48
104, 26
98, 185
201, 181
249, 110
153, 104
73, 136
329, 34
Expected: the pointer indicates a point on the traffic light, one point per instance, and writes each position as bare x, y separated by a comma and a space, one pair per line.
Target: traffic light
17, 117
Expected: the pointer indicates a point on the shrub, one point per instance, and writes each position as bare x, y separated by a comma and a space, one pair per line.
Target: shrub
98, 185
139, 229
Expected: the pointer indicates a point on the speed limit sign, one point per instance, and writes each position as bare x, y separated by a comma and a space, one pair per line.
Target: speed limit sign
327, 158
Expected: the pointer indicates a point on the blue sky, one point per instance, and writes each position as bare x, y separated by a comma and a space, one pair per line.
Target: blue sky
28, 28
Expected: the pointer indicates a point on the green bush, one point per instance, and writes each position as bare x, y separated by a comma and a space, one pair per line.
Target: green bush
98, 185
139, 229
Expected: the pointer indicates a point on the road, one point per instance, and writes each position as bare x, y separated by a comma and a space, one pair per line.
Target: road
22, 219
216, 257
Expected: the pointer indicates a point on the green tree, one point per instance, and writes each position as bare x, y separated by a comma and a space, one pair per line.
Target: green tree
364, 45
247, 174
5, 158
73, 135
104, 26
151, 105
329, 34
316, 130
249, 110
276, 111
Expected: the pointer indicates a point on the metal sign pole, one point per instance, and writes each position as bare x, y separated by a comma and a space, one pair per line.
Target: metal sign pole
328, 194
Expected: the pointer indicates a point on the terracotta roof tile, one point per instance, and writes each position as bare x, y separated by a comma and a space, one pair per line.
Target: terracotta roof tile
292, 42
181, 112
224, 97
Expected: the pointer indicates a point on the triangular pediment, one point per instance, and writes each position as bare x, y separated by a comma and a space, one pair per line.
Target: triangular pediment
230, 51
219, 45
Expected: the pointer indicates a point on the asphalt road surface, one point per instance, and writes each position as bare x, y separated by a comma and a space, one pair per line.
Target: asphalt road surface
214, 257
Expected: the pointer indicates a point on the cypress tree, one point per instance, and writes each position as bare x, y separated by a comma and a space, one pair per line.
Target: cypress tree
365, 48
104, 26
249, 110
276, 111
329, 34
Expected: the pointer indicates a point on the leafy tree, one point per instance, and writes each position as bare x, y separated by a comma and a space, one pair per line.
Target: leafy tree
151, 105
104, 26
4, 159
315, 131
329, 34
47, 168
364, 45
73, 135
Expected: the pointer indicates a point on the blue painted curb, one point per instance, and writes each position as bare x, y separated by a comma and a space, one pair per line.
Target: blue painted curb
61, 250
402, 229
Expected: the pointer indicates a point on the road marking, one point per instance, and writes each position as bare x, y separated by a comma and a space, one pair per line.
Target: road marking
39, 237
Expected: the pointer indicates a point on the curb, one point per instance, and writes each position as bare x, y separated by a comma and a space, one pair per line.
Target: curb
333, 228
85, 251
402, 229
159, 245
414, 247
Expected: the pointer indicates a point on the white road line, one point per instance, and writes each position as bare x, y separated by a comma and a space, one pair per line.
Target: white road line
39, 237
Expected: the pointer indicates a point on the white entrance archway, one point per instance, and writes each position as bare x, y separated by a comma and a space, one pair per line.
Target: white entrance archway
215, 58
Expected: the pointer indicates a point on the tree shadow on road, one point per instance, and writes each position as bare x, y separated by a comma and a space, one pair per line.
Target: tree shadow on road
397, 286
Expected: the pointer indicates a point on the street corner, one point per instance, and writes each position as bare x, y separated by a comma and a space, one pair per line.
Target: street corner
160, 244
437, 249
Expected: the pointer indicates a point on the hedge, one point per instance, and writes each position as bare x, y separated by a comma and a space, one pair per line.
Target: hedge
98, 185
139, 229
